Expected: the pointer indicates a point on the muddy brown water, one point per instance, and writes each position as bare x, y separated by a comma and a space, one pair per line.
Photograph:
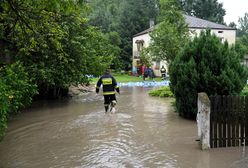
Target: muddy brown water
144, 132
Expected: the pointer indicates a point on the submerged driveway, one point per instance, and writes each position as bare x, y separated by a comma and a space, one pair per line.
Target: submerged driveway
144, 132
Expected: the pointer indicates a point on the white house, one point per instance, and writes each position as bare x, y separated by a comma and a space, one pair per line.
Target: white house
195, 25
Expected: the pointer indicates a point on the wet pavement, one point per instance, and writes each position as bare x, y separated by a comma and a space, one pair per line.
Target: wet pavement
144, 132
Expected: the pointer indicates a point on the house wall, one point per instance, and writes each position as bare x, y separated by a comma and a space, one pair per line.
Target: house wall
146, 38
136, 54
229, 35
156, 70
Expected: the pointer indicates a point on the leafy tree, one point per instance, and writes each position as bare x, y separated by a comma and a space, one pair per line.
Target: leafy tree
127, 17
243, 25
50, 46
205, 65
145, 58
187, 6
105, 14
210, 10
134, 19
115, 40
54, 41
101, 53
232, 24
170, 34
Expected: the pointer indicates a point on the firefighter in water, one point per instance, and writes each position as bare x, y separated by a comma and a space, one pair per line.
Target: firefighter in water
109, 85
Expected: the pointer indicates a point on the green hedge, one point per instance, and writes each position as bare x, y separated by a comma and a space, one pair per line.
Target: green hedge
162, 92
16, 92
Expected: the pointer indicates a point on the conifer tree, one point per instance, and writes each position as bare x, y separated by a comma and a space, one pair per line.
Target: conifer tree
205, 65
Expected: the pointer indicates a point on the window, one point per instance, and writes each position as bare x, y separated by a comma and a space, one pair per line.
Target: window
140, 44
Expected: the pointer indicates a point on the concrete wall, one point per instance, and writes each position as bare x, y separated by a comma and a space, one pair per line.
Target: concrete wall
203, 120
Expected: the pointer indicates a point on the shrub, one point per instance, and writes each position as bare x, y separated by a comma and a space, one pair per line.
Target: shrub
205, 65
4, 107
245, 91
16, 92
161, 92
20, 88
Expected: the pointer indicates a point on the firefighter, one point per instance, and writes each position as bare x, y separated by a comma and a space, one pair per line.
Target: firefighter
163, 72
109, 86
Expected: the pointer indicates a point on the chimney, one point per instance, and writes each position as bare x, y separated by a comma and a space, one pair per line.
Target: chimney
151, 22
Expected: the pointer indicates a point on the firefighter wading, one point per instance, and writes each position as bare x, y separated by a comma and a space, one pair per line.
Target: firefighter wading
109, 86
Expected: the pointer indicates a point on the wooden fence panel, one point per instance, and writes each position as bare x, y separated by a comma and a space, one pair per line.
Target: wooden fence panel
211, 122
220, 122
224, 108
215, 121
242, 120
246, 121
235, 122
228, 121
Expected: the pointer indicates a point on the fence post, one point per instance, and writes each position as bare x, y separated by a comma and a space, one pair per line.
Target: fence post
203, 120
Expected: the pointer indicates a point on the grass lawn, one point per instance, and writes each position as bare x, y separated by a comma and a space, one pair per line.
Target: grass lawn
124, 78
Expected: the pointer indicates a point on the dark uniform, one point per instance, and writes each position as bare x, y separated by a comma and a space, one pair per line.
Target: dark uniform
163, 72
109, 86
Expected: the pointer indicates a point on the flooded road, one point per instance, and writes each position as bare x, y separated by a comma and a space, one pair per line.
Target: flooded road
144, 132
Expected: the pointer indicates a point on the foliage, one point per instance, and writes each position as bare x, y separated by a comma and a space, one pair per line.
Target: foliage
134, 18
170, 34
241, 46
145, 57
16, 91
4, 107
243, 25
55, 43
244, 91
115, 40
161, 92
205, 65
210, 10
19, 86
105, 14
232, 24
125, 17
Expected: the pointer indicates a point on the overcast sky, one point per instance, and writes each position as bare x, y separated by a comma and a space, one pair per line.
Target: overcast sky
234, 9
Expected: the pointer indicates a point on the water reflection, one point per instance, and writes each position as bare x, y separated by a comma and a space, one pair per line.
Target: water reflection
144, 132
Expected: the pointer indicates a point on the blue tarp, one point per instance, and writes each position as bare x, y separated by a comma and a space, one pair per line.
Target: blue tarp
145, 84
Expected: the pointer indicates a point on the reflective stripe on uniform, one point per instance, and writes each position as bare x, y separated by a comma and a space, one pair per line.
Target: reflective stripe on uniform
107, 81
109, 93
116, 87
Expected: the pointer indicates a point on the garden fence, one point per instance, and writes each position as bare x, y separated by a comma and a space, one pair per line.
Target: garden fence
228, 121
